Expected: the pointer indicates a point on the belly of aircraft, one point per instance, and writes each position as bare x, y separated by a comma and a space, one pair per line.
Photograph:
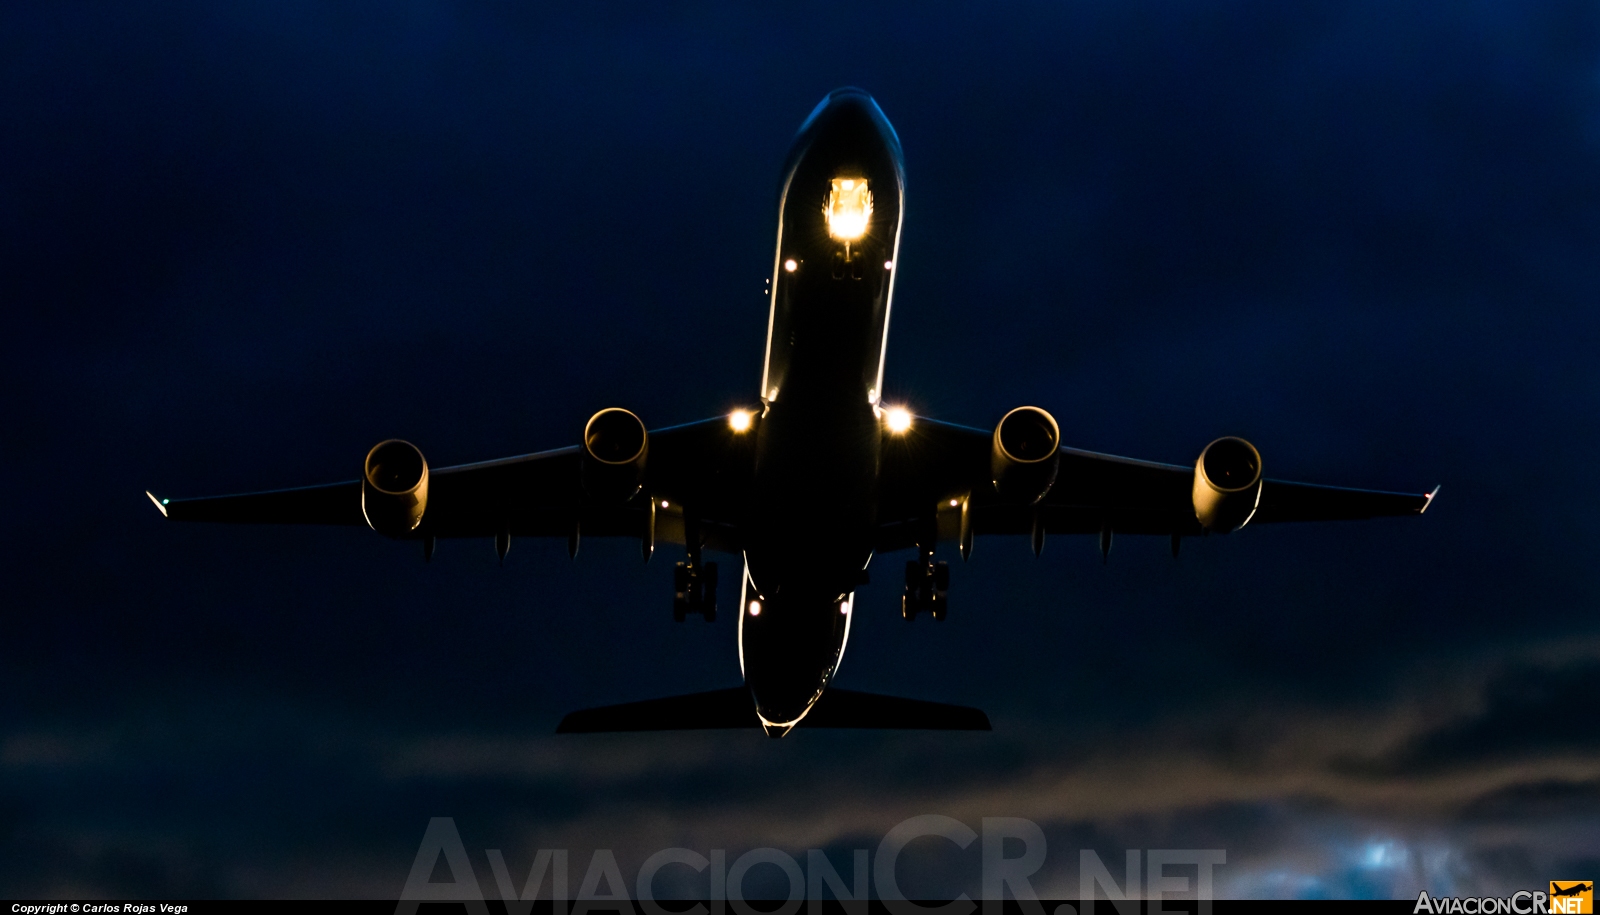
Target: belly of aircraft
814, 504
808, 539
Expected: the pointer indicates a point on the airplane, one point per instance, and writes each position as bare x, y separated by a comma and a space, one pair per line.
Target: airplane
1577, 889
813, 478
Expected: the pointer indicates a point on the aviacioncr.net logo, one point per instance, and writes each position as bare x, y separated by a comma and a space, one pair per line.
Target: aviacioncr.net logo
1566, 897
1572, 897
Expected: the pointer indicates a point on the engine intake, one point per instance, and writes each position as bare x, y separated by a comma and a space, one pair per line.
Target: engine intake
614, 447
1227, 484
394, 488
1025, 454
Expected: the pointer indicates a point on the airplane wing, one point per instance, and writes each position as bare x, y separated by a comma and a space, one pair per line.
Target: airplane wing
530, 495
935, 463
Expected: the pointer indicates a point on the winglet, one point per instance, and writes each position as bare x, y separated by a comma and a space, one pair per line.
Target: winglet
161, 504
1428, 500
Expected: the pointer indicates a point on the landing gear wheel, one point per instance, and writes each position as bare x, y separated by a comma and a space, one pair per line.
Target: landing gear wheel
694, 591
927, 589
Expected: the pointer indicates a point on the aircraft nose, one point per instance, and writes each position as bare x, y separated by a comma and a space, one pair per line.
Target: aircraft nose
836, 101
851, 93
850, 114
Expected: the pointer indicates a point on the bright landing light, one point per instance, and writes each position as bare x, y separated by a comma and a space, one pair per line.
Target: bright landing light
755, 608
898, 419
739, 420
847, 208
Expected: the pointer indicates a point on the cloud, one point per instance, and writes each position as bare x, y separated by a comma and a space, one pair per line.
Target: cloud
1524, 708
1306, 800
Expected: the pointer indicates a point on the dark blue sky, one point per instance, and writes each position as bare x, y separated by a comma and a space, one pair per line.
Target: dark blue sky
240, 243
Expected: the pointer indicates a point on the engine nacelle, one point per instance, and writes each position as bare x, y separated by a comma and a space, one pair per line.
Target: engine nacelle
615, 444
1024, 454
1227, 484
394, 488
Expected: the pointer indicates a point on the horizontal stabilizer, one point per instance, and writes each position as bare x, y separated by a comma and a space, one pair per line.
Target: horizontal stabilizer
846, 708
733, 708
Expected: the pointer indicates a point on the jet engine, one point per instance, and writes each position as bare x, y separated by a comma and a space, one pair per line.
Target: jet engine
614, 447
1227, 484
1024, 455
394, 488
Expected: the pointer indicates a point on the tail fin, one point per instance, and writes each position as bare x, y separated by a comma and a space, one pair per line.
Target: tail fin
733, 708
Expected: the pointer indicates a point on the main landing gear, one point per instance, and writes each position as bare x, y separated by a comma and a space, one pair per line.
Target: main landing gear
927, 587
694, 583
695, 587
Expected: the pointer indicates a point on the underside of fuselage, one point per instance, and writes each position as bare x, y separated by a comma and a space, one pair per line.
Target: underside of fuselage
812, 510
789, 647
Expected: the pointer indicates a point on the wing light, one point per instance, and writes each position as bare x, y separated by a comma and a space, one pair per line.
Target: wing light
898, 419
848, 208
1427, 501
739, 420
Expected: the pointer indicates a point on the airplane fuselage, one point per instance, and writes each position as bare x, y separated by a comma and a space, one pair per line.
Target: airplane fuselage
813, 504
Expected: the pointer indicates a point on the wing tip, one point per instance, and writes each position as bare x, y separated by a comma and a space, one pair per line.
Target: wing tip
160, 504
1427, 500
